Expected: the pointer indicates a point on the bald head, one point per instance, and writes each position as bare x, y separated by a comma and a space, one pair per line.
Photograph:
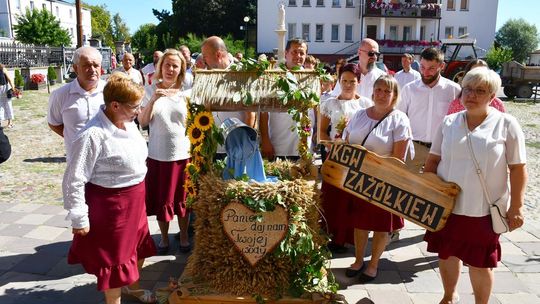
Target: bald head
367, 54
215, 53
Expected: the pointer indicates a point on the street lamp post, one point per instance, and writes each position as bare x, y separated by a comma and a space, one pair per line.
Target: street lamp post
246, 20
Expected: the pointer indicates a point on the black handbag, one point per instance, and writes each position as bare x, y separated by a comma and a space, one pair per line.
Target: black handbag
9, 93
5, 146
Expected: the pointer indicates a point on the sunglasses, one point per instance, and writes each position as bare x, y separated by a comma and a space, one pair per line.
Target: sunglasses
371, 53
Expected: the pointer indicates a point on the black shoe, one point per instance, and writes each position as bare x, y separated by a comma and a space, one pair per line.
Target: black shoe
364, 278
351, 273
335, 248
162, 250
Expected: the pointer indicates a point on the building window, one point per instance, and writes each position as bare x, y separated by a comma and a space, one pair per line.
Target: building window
423, 32
407, 31
349, 3
319, 31
32, 5
44, 6
71, 30
70, 14
292, 30
462, 30
306, 3
320, 3
449, 32
57, 11
335, 3
292, 2
450, 5
464, 5
18, 4
335, 32
348, 33
393, 32
305, 31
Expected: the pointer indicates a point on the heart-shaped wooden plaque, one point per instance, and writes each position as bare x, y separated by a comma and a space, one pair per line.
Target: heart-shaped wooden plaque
252, 238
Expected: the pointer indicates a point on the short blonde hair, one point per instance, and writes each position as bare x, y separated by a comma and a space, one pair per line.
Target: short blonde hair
170, 53
392, 84
122, 89
482, 76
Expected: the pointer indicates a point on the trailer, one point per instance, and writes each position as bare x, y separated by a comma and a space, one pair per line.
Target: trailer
519, 80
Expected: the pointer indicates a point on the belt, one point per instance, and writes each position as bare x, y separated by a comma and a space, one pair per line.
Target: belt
425, 144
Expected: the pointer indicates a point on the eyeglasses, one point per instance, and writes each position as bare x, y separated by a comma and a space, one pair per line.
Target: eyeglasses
477, 91
371, 53
134, 107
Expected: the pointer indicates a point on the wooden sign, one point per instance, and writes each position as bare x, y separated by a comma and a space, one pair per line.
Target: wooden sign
424, 199
254, 238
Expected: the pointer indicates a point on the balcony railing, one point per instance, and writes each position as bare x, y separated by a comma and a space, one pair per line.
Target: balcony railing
402, 10
400, 47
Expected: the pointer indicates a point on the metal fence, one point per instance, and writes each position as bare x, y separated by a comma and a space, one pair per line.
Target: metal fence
18, 55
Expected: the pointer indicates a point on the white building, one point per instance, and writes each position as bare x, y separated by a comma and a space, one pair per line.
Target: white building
334, 28
63, 10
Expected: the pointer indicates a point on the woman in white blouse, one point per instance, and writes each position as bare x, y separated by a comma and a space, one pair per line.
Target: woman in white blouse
104, 194
498, 145
336, 112
164, 109
386, 131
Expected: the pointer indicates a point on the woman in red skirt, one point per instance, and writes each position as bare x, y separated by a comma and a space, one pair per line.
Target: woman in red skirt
497, 143
164, 109
104, 194
387, 132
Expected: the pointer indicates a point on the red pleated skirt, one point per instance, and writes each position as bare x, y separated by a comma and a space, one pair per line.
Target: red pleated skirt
471, 239
165, 195
118, 236
336, 204
366, 216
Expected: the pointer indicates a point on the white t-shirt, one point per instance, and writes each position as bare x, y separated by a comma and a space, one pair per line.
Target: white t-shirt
365, 87
426, 107
103, 155
73, 107
283, 134
497, 142
395, 127
167, 140
336, 109
404, 78
133, 74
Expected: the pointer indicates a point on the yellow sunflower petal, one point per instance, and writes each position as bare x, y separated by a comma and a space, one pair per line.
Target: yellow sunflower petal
203, 120
195, 134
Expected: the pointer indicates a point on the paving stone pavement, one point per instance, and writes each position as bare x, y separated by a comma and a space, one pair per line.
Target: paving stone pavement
34, 240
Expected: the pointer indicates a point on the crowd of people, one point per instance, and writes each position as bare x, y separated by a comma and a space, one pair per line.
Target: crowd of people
114, 179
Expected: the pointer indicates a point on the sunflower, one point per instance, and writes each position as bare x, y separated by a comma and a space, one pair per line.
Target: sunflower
190, 188
195, 134
203, 120
197, 148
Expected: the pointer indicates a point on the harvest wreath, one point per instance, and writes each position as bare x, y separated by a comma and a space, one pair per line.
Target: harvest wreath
260, 240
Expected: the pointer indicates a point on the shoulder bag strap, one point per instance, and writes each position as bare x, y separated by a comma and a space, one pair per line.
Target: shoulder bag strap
477, 166
376, 125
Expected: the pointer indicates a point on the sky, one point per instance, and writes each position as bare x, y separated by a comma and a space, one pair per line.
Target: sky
139, 12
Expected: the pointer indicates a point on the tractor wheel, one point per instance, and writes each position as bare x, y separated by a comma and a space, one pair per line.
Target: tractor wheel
458, 76
524, 91
510, 92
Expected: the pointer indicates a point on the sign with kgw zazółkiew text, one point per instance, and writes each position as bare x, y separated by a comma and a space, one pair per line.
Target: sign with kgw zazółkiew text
423, 199
254, 236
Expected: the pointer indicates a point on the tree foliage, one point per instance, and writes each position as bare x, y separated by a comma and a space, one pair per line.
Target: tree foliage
120, 30
496, 56
40, 27
519, 36
101, 24
194, 42
144, 40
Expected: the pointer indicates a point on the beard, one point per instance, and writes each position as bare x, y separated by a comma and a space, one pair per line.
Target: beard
370, 65
429, 80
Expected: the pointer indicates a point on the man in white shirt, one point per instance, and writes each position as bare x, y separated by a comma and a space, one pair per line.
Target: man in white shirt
279, 137
74, 104
367, 56
149, 69
127, 68
426, 101
215, 56
407, 74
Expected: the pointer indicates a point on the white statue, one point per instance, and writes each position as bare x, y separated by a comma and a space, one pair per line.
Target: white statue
281, 16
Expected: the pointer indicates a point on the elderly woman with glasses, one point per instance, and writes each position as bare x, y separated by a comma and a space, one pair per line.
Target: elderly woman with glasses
496, 141
165, 111
104, 191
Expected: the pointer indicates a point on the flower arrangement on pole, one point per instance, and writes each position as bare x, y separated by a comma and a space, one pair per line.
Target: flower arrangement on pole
37, 78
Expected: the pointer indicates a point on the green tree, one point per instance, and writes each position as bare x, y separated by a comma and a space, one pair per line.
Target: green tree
101, 24
120, 30
194, 42
519, 36
496, 56
40, 27
144, 41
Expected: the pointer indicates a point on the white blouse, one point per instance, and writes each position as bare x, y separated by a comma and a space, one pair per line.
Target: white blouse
167, 140
103, 155
336, 109
395, 127
497, 142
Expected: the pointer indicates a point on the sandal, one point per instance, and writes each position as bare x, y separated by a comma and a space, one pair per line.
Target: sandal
146, 297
